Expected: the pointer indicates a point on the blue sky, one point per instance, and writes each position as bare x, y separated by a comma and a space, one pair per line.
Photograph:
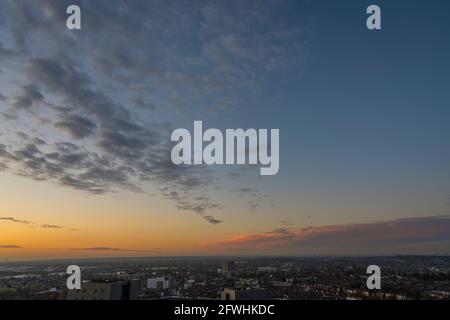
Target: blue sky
370, 111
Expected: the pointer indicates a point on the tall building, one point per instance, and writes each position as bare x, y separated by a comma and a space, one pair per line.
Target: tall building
161, 283
228, 266
106, 290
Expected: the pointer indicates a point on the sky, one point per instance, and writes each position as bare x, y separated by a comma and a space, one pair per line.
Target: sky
86, 117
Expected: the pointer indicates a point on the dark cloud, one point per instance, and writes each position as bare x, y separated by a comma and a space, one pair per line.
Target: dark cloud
35, 225
78, 126
50, 226
99, 249
146, 105
29, 98
10, 246
68, 165
200, 208
122, 145
212, 220
12, 219
5, 52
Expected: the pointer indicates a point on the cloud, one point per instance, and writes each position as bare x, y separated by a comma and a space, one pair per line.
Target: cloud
30, 97
10, 246
12, 219
146, 105
68, 165
78, 126
50, 226
100, 249
200, 207
95, 96
131, 152
364, 238
6, 52
212, 220
35, 225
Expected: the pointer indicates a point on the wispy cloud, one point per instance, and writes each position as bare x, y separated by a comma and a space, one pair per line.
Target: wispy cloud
10, 246
50, 226
34, 224
12, 219
102, 249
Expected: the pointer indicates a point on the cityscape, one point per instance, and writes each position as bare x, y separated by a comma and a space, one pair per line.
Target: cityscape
223, 150
234, 278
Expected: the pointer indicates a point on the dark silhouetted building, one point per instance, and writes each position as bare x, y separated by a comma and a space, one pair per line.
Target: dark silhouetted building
106, 290
243, 294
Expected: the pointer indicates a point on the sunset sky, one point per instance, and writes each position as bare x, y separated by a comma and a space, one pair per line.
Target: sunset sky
86, 117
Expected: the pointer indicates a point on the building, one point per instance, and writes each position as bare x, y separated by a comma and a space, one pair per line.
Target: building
106, 290
243, 294
161, 283
266, 269
228, 266
188, 284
